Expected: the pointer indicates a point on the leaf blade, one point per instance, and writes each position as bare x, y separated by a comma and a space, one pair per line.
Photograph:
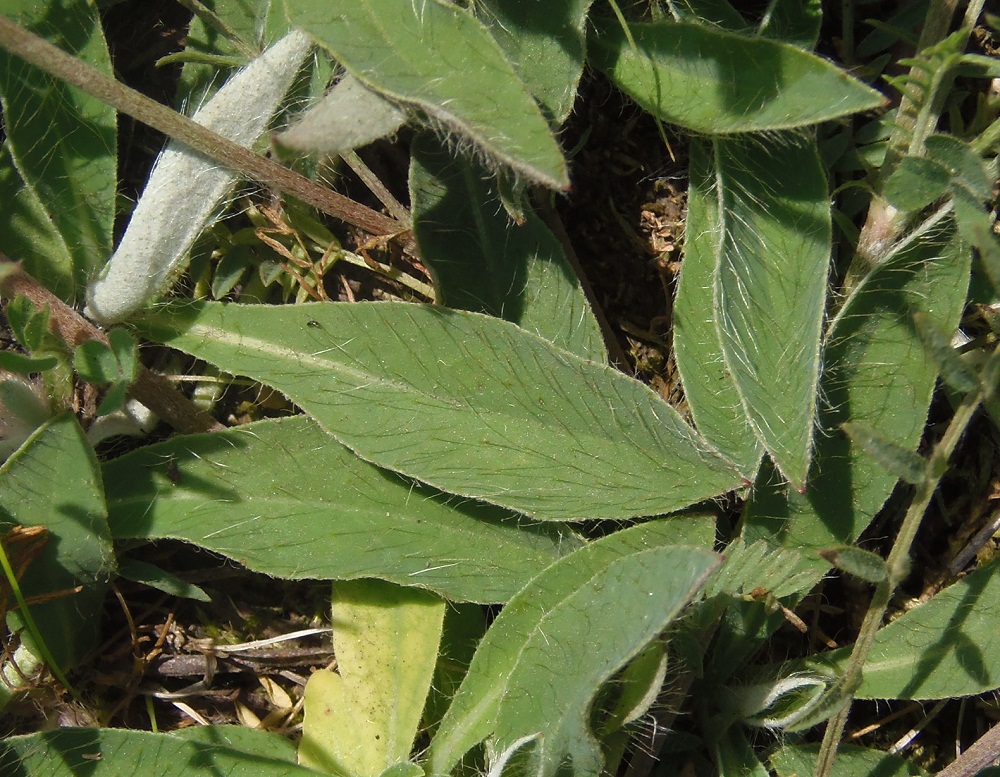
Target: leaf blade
79, 550
483, 262
438, 58
62, 141
708, 385
770, 288
363, 719
546, 49
467, 403
716, 82
517, 687
878, 369
227, 492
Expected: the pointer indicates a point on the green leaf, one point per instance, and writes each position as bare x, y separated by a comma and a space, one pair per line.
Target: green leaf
26, 365
30, 235
20, 313
852, 761
126, 351
62, 141
467, 403
483, 262
546, 49
96, 362
771, 253
708, 385
860, 563
988, 245
944, 648
53, 481
155, 577
438, 58
759, 565
556, 642
964, 164
113, 399
736, 757
916, 183
348, 117
954, 371
639, 685
793, 21
716, 82
239, 31
363, 719
108, 752
284, 498
877, 372
901, 461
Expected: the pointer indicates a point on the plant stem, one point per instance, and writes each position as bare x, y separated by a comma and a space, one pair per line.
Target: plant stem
154, 391
912, 124
58, 63
29, 621
897, 563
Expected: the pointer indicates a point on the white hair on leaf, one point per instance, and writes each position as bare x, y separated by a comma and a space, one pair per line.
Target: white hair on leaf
186, 187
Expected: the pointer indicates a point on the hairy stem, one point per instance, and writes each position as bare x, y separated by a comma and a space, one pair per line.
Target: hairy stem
152, 390
912, 124
897, 564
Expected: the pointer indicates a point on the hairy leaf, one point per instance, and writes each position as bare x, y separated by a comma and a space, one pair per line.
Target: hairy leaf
62, 141
717, 82
467, 403
708, 385
553, 646
437, 58
185, 187
546, 49
946, 647
109, 752
798, 760
31, 236
481, 261
878, 373
284, 498
78, 551
350, 116
768, 232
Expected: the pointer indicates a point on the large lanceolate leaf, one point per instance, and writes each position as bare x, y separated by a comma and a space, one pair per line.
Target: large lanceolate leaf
62, 141
109, 752
947, 647
467, 403
708, 385
284, 498
540, 665
772, 258
78, 549
483, 262
877, 373
717, 82
363, 718
547, 48
439, 59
